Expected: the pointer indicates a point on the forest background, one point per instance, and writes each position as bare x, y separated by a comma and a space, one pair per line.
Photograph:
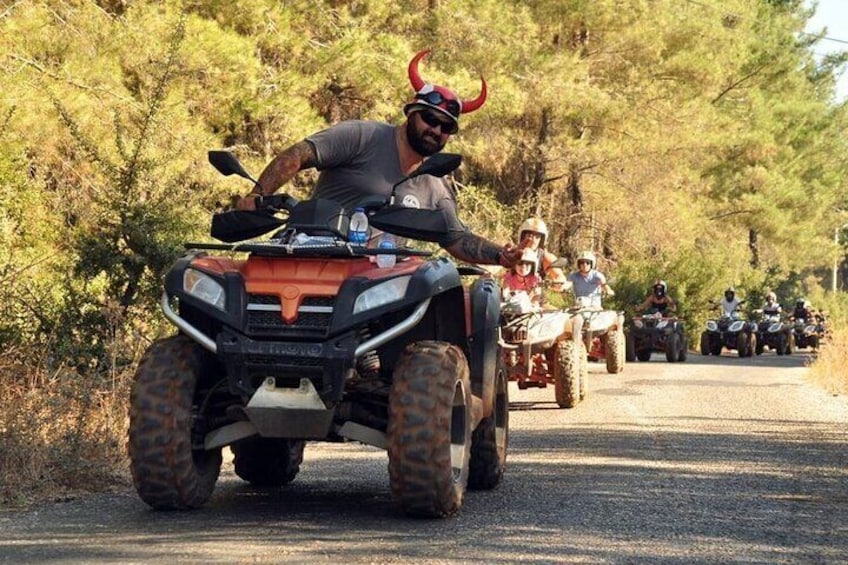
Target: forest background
694, 141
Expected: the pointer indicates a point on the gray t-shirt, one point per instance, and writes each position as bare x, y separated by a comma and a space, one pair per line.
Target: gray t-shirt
357, 159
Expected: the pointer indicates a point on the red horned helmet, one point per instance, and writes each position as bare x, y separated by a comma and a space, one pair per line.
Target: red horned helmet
438, 97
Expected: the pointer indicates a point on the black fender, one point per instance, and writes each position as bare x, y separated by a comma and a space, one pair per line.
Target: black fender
485, 311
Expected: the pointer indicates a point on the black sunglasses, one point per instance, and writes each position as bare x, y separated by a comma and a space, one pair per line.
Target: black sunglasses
435, 98
433, 120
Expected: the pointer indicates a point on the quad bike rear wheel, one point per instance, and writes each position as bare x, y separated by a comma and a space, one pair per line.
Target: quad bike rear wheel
267, 462
429, 430
571, 355
168, 473
490, 440
615, 349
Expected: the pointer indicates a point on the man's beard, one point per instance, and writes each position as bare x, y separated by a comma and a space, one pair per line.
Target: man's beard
422, 143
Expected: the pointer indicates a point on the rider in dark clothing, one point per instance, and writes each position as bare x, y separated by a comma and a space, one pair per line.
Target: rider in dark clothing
802, 311
658, 300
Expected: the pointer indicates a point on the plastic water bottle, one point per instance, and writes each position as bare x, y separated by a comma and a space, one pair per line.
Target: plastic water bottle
357, 232
387, 241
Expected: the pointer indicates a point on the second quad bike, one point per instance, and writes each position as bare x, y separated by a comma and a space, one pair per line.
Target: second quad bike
654, 332
307, 338
544, 346
807, 334
774, 333
729, 332
603, 334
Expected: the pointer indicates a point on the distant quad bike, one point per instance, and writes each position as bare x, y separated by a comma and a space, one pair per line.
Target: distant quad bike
603, 334
807, 335
729, 332
774, 333
308, 339
542, 347
654, 332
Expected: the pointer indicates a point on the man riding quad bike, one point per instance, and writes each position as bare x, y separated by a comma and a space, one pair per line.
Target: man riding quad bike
657, 329
729, 330
307, 338
603, 330
773, 331
808, 328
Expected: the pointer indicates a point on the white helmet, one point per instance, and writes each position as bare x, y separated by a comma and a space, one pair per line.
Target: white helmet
535, 225
529, 256
586, 256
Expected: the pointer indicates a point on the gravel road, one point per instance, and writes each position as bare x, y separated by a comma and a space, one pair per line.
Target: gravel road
716, 460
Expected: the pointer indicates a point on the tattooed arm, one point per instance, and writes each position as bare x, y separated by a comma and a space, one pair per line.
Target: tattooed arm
279, 171
472, 248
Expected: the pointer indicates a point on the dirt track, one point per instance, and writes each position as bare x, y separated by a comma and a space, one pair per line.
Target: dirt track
716, 460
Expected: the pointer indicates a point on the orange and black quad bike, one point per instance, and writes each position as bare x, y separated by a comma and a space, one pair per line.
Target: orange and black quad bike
305, 336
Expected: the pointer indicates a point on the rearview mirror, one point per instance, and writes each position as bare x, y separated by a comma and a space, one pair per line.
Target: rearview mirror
228, 164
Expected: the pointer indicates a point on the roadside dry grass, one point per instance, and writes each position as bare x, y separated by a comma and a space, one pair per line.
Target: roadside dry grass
830, 369
60, 433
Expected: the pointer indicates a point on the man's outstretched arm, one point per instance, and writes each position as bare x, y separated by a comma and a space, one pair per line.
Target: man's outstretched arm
472, 248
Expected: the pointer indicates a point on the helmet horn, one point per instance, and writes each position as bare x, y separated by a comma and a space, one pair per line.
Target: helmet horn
471, 105
414, 77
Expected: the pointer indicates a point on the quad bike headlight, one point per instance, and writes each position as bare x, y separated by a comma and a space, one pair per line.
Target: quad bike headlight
205, 288
754, 326
661, 324
712, 326
381, 294
776, 327
736, 326
638, 323
811, 329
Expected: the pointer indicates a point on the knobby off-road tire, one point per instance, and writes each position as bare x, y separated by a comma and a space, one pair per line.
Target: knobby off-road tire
267, 462
790, 345
781, 344
672, 347
490, 440
752, 345
167, 473
705, 344
630, 349
644, 355
684, 348
429, 431
584, 371
741, 345
569, 358
615, 347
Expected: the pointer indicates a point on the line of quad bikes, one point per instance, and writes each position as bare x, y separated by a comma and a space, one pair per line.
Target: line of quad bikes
306, 336
543, 347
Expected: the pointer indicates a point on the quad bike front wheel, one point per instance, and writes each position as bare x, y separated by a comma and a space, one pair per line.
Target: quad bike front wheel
630, 349
267, 462
490, 440
684, 348
168, 473
742, 344
615, 349
571, 355
672, 347
705, 344
429, 430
